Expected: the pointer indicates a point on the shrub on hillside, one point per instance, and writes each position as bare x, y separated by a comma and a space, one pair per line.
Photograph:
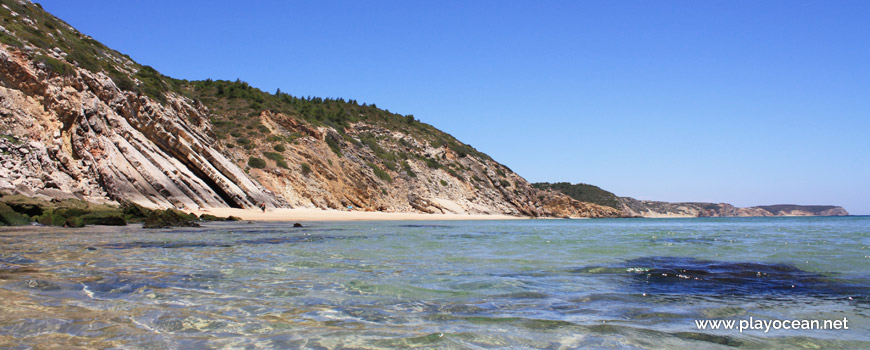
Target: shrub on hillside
255, 162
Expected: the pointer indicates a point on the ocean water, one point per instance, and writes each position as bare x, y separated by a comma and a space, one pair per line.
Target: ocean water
554, 284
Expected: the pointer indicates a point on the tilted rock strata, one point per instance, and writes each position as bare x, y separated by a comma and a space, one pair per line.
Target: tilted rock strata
83, 135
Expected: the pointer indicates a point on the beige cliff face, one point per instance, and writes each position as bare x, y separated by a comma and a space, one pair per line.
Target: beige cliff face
462, 184
79, 119
83, 135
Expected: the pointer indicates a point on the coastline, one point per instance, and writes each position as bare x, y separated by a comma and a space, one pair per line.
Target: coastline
314, 214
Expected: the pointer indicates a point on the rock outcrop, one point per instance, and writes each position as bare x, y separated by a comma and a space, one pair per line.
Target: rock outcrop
79, 134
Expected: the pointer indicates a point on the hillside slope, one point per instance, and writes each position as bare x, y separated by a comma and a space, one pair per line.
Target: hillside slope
81, 119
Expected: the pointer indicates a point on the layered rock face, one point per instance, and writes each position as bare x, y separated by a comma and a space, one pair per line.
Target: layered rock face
79, 119
79, 133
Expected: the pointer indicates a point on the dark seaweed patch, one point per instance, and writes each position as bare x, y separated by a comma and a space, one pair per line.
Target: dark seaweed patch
679, 275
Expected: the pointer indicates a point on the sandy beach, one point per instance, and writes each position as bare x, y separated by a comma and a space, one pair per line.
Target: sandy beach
313, 214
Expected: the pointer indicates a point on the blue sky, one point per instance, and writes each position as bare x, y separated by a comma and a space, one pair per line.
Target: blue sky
746, 102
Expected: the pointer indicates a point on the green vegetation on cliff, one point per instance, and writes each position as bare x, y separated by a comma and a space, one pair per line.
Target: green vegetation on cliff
583, 192
27, 24
236, 107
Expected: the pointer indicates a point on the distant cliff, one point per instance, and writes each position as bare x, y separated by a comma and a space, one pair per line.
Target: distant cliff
80, 119
630, 207
634, 207
583, 192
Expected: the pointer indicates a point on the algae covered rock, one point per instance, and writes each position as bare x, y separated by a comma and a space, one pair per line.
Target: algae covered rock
104, 218
170, 218
209, 217
9, 217
18, 210
74, 221
134, 212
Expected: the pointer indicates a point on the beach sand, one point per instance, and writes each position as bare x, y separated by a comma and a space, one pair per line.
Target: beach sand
313, 214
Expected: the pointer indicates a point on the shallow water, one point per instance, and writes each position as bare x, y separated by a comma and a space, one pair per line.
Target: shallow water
611, 283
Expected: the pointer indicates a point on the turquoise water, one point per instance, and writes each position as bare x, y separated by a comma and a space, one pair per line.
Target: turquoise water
610, 283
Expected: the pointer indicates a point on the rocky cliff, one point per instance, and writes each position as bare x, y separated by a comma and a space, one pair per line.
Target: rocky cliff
80, 119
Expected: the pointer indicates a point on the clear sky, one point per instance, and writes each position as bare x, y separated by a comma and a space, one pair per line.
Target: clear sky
746, 102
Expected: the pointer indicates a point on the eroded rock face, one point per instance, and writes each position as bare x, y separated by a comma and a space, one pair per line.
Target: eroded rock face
80, 134
460, 184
